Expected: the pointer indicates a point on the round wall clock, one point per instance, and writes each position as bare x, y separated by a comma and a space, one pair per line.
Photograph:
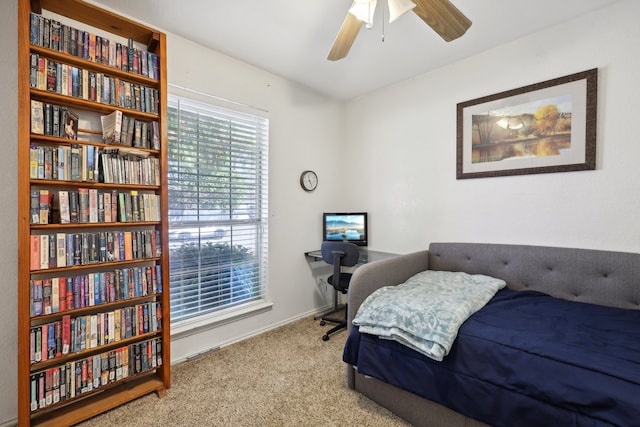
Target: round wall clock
308, 180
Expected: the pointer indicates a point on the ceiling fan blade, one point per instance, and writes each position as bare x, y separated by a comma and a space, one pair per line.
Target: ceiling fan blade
345, 38
443, 17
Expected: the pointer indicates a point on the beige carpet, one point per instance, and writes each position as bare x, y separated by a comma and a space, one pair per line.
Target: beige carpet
284, 377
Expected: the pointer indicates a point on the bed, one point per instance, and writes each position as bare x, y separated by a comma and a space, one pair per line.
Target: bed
559, 343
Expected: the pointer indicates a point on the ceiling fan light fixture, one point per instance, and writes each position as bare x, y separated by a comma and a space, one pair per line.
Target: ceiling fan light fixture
397, 8
363, 10
441, 15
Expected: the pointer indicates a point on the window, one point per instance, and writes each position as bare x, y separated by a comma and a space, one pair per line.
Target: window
217, 208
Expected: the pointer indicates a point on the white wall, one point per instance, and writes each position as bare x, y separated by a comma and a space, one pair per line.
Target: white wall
8, 212
306, 132
405, 136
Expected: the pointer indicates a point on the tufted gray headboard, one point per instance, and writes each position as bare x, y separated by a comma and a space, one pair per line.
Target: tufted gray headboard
593, 276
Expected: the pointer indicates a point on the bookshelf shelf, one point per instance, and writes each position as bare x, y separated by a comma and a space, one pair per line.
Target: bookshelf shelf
93, 225
94, 350
100, 311
92, 266
88, 184
111, 397
56, 98
79, 62
94, 308
57, 140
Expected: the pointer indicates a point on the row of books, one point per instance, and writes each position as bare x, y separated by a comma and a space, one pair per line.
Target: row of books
53, 120
75, 334
59, 250
41, 207
128, 166
56, 120
73, 162
90, 205
73, 379
64, 79
61, 294
54, 35
88, 163
118, 128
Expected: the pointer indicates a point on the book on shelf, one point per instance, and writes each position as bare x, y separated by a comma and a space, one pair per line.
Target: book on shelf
48, 162
107, 206
66, 333
55, 295
44, 251
62, 162
34, 211
74, 207
93, 205
128, 127
61, 250
62, 294
33, 162
86, 162
135, 207
33, 70
46, 205
52, 251
101, 210
37, 117
55, 125
83, 205
63, 206
65, 78
75, 162
35, 252
155, 136
51, 78
112, 127
41, 77
36, 297
51, 341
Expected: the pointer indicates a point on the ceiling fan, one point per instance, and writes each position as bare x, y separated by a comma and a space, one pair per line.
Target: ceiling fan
441, 15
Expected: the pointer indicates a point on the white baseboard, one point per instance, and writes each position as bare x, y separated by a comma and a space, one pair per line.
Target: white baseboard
10, 423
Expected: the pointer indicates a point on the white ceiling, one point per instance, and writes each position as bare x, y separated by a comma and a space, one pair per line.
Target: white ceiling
292, 38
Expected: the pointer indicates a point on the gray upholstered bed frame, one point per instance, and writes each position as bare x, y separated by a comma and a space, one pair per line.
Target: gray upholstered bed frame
599, 277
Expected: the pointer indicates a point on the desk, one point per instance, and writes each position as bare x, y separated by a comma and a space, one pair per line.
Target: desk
365, 257
321, 270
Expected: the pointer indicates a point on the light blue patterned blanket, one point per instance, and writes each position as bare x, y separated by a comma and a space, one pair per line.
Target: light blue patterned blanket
426, 311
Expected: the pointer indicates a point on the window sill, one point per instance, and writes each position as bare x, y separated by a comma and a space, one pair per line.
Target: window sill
214, 320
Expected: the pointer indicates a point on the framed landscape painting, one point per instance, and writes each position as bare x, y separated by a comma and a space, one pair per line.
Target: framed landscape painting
540, 128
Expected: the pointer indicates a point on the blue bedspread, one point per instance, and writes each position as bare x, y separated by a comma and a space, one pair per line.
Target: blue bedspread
426, 311
525, 359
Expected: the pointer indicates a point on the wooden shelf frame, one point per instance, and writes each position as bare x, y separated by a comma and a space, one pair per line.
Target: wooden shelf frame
158, 379
110, 398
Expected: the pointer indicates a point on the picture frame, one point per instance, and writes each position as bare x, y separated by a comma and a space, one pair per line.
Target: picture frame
70, 124
540, 128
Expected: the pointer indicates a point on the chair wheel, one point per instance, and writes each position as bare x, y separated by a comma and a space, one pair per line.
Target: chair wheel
322, 323
325, 338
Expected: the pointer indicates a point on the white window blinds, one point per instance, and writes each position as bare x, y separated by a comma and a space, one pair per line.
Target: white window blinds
217, 208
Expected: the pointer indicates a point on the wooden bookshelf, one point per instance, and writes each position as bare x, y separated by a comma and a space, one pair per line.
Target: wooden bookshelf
135, 359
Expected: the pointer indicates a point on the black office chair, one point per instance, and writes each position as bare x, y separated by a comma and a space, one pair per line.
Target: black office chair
338, 254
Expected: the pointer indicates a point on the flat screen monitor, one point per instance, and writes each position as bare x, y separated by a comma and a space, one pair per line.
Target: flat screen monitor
345, 226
